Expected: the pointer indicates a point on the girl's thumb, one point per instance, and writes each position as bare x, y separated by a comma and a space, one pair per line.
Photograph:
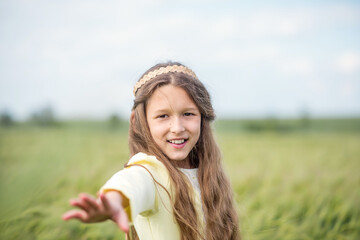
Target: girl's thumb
122, 220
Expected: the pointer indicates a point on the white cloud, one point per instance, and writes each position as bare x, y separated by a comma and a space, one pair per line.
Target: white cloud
340, 13
348, 62
277, 22
317, 87
296, 66
347, 89
283, 21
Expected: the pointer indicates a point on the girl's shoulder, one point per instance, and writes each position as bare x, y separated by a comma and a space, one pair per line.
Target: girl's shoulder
146, 160
152, 165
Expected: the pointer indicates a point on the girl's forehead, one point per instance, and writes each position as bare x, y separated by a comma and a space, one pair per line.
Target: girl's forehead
170, 96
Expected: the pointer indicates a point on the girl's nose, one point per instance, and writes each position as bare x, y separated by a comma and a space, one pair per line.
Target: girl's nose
177, 126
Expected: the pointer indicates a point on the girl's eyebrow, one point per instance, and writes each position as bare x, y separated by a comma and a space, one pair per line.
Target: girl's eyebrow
191, 109
161, 110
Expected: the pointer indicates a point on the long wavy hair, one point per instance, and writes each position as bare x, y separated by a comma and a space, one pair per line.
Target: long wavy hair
216, 193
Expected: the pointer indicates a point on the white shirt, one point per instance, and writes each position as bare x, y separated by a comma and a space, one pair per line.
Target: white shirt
191, 174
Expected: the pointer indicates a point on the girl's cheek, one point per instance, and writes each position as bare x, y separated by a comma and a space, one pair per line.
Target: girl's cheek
160, 127
196, 124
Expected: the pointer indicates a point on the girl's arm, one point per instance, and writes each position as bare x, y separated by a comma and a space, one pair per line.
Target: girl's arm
109, 205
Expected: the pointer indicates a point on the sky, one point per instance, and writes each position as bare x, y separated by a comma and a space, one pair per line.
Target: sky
256, 58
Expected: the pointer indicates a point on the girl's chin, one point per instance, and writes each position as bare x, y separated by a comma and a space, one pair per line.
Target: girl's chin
178, 158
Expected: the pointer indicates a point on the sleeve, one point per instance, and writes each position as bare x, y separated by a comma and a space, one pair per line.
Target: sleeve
138, 186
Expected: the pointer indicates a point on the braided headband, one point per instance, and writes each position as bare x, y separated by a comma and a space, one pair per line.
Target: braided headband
162, 70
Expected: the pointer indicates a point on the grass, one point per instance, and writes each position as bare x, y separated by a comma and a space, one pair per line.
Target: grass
296, 186
288, 184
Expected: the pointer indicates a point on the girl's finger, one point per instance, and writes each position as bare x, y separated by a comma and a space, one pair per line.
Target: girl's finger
90, 200
77, 214
80, 203
122, 220
105, 201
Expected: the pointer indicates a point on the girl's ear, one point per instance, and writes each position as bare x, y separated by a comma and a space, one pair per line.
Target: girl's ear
132, 118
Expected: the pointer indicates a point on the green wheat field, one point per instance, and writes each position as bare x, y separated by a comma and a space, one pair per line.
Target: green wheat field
292, 180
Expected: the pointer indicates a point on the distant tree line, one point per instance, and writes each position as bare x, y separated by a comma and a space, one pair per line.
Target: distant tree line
6, 119
46, 117
42, 117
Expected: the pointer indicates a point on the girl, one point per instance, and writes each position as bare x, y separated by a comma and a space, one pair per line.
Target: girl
174, 186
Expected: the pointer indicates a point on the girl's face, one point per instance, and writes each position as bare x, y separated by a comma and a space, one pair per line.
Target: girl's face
174, 121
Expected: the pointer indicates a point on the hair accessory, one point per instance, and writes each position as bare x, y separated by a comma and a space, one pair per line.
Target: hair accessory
162, 70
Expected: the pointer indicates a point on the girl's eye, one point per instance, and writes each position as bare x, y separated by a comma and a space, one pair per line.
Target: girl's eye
188, 114
162, 116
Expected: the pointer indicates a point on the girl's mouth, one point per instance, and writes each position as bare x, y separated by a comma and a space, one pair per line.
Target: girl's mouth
178, 143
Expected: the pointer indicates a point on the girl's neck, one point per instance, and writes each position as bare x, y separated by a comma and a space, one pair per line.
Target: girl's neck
182, 164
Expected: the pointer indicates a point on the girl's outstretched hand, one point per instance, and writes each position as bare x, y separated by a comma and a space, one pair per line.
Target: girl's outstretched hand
107, 206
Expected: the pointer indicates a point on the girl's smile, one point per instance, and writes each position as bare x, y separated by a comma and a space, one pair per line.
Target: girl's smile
174, 121
178, 143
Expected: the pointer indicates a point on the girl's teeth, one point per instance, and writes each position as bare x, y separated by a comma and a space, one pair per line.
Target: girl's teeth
177, 141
